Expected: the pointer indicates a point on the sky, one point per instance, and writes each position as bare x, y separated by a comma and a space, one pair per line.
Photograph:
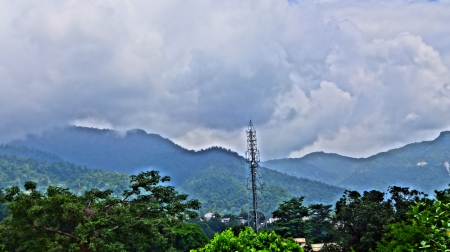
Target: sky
348, 77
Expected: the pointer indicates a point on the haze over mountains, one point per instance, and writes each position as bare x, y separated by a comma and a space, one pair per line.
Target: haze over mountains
424, 166
217, 176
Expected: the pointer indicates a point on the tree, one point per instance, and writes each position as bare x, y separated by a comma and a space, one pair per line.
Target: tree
426, 229
401, 237
434, 223
142, 219
320, 222
443, 195
248, 240
189, 236
402, 198
213, 226
360, 219
292, 218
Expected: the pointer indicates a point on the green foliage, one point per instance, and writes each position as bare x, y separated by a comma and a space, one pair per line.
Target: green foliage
222, 189
443, 195
215, 225
211, 227
189, 236
434, 223
292, 217
143, 219
297, 221
321, 224
401, 237
360, 219
365, 220
426, 229
402, 198
248, 240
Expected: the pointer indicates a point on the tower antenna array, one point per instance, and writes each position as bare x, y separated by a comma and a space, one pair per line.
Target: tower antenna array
252, 157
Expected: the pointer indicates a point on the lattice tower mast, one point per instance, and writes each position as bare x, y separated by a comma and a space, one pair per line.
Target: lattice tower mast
252, 156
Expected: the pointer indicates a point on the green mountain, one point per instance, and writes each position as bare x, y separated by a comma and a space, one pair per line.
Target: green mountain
216, 176
424, 166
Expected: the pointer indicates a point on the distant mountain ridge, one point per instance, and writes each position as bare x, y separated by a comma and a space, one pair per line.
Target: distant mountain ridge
423, 165
216, 176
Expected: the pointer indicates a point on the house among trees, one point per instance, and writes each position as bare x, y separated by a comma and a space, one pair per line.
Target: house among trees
208, 216
300, 241
317, 246
314, 247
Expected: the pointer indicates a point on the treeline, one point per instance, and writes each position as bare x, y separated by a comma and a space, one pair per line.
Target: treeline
150, 216
399, 220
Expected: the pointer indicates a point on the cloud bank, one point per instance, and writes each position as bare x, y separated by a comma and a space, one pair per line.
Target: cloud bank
352, 77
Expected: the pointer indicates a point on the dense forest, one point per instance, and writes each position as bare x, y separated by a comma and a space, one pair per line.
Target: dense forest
402, 219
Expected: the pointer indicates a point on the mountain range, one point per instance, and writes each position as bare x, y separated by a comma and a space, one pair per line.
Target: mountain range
216, 176
424, 166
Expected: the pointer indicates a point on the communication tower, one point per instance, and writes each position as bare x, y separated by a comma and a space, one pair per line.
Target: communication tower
254, 181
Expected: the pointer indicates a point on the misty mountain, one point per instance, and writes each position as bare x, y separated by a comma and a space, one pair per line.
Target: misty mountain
424, 165
216, 176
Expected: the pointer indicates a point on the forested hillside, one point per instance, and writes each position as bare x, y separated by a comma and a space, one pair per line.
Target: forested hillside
15, 171
28, 153
424, 165
216, 176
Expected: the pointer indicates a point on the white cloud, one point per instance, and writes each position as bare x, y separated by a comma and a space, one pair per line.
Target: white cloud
201, 138
312, 75
299, 120
91, 122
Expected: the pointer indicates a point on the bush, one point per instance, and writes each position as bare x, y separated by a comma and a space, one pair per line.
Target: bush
248, 240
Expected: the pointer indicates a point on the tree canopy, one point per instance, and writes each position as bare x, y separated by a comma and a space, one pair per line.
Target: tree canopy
142, 219
292, 216
361, 219
248, 240
425, 228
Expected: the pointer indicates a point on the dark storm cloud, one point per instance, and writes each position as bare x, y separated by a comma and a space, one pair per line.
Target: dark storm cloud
311, 75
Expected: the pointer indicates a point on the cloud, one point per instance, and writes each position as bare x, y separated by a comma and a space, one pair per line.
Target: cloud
312, 75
